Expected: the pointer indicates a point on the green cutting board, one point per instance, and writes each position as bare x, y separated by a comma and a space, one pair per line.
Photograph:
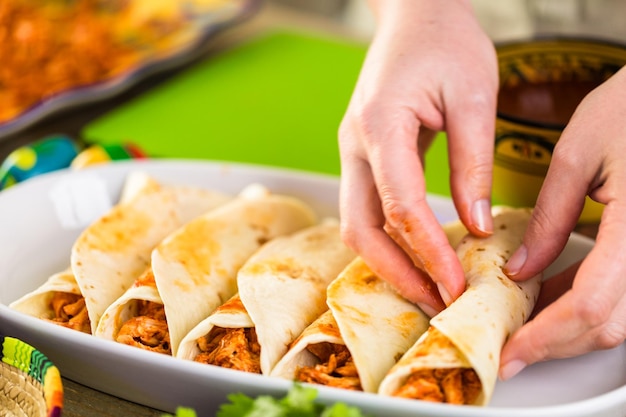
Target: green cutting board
277, 99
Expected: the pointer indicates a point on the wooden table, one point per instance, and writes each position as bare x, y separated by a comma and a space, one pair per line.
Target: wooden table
81, 401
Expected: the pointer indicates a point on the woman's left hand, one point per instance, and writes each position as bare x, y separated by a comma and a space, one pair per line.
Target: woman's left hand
585, 307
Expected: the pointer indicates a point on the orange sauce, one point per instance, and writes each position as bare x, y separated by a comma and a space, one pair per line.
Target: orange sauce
546, 102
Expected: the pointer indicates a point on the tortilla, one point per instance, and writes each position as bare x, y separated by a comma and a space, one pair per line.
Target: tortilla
226, 338
58, 300
457, 359
195, 268
352, 345
115, 249
137, 318
282, 289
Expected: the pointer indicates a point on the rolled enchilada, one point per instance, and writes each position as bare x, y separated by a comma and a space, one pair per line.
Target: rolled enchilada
114, 250
195, 268
58, 300
352, 345
457, 359
282, 289
137, 318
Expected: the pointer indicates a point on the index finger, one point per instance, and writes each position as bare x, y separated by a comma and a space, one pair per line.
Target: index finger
399, 179
554, 216
365, 231
470, 127
573, 324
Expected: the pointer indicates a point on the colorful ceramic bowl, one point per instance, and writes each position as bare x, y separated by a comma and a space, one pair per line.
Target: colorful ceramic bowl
30, 384
541, 83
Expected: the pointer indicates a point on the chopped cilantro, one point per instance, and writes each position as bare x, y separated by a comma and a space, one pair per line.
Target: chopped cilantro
182, 412
299, 402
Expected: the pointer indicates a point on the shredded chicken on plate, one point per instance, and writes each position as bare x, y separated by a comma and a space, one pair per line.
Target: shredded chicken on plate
453, 386
148, 329
70, 311
336, 368
231, 348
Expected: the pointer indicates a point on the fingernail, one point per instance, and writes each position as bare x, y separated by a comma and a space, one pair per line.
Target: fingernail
511, 369
428, 310
516, 262
445, 295
481, 216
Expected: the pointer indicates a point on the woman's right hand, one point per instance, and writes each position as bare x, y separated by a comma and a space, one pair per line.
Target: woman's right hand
429, 68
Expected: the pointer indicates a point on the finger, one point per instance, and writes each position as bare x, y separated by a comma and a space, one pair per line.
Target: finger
470, 128
568, 326
400, 241
556, 212
607, 336
535, 341
387, 260
364, 233
398, 175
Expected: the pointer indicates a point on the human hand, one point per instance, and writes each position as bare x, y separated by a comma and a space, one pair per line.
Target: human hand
430, 67
585, 307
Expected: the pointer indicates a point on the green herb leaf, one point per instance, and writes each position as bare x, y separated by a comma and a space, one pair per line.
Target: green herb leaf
342, 410
182, 412
299, 402
302, 400
240, 405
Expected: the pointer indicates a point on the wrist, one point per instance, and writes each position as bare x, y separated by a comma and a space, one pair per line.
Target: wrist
393, 12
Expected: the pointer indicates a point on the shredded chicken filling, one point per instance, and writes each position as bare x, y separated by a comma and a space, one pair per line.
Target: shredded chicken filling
148, 329
70, 311
336, 368
453, 386
231, 348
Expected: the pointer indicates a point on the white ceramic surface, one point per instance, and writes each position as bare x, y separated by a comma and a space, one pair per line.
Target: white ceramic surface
42, 217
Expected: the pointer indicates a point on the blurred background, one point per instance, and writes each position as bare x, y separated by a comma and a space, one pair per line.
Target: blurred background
503, 20
263, 83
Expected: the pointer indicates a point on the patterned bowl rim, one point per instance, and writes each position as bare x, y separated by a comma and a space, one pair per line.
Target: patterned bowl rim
542, 49
25, 360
